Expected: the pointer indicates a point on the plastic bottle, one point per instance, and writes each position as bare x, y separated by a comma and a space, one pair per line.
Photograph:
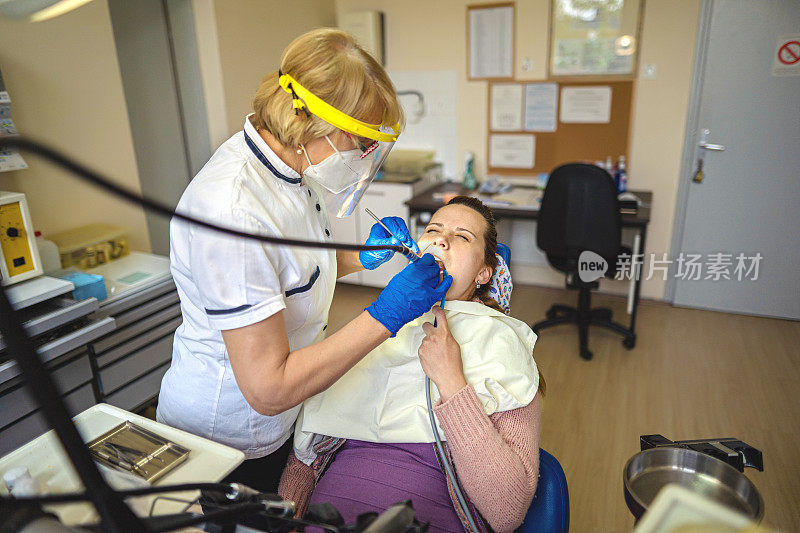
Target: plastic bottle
48, 252
622, 175
469, 173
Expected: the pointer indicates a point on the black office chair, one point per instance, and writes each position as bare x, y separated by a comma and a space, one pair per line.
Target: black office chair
580, 212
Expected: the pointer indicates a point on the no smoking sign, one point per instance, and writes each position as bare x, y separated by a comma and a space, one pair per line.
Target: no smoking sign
786, 61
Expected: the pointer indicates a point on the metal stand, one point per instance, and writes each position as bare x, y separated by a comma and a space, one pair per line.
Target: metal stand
729, 449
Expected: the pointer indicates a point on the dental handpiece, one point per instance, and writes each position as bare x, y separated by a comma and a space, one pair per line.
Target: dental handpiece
408, 252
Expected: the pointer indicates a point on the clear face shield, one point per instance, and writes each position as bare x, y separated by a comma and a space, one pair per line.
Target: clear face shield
346, 174
363, 162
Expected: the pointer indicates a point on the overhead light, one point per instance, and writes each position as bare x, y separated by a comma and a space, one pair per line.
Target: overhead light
624, 46
38, 10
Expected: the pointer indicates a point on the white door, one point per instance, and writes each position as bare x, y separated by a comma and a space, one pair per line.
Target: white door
742, 222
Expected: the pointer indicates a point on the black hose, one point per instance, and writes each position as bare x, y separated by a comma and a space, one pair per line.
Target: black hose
48, 499
104, 183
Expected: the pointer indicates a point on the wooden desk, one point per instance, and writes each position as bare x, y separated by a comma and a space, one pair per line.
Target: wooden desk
426, 203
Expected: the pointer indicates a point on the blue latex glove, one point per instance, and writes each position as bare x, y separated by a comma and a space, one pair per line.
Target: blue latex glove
410, 294
377, 236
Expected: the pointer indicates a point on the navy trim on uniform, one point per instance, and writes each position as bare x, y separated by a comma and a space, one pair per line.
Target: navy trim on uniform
261, 157
305, 287
227, 311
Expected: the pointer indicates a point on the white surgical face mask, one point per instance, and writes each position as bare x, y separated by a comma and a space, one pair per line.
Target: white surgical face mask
338, 171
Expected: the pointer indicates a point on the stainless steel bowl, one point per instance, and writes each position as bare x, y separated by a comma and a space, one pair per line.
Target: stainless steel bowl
649, 471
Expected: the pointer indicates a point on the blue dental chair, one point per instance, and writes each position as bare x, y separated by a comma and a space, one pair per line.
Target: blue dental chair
549, 511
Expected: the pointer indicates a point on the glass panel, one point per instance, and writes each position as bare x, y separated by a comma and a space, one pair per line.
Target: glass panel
594, 37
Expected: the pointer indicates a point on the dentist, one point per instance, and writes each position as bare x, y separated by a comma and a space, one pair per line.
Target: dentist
252, 345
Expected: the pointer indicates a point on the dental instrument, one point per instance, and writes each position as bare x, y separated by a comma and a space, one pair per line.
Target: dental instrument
408, 252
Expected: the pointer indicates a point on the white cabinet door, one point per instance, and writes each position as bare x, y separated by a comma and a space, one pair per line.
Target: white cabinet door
383, 199
347, 230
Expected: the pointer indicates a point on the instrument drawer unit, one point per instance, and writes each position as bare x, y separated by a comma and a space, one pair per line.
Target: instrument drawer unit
20, 417
140, 392
130, 361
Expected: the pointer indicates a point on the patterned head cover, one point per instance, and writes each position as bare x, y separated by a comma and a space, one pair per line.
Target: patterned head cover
500, 286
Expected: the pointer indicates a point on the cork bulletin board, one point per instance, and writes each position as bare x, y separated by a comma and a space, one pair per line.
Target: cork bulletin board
571, 142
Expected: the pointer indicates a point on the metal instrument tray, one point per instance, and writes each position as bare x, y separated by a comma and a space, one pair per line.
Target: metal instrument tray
137, 450
647, 472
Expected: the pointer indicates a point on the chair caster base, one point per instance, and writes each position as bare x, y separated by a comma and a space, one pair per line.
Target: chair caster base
602, 313
629, 342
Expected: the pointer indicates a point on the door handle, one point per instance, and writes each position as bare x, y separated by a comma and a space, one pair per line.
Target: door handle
714, 147
709, 146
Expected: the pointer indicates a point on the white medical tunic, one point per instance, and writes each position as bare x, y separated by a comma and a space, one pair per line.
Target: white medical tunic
225, 282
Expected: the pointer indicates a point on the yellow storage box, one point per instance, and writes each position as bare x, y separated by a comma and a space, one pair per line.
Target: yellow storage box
91, 245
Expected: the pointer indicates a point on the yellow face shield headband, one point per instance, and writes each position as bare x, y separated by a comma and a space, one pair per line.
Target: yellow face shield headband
305, 100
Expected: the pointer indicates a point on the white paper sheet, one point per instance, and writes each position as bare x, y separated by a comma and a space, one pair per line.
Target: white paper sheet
540, 106
7, 127
512, 150
586, 105
11, 160
506, 107
491, 42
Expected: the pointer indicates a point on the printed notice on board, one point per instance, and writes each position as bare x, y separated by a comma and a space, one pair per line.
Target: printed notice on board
540, 106
11, 159
511, 150
491, 32
506, 107
586, 105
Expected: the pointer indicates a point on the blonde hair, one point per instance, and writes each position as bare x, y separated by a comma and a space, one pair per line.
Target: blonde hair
329, 63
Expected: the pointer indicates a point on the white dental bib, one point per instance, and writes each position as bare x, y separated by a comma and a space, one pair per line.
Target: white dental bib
382, 398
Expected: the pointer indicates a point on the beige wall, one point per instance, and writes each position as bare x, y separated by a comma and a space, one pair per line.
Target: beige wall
66, 90
252, 35
425, 35
669, 34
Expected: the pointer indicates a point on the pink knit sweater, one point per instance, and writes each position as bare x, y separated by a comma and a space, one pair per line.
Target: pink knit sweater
496, 457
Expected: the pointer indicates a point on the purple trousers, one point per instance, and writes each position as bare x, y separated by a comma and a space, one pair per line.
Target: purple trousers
367, 476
